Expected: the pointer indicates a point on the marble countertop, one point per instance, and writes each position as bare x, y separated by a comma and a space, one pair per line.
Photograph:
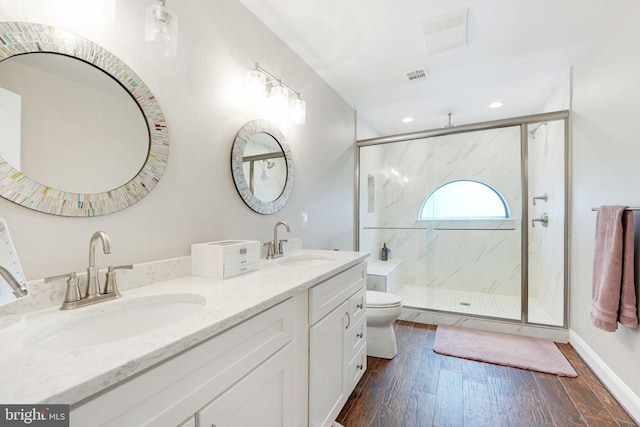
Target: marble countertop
30, 376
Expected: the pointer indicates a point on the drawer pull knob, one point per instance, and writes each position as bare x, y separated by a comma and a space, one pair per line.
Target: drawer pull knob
357, 366
243, 251
348, 320
360, 306
360, 335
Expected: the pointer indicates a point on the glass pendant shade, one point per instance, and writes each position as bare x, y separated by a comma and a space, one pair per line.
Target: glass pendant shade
255, 84
161, 29
280, 101
298, 111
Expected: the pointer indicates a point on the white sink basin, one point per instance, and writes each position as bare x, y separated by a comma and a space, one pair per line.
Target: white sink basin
113, 321
11, 323
306, 259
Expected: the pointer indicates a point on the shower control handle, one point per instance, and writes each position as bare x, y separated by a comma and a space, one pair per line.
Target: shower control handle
544, 198
544, 220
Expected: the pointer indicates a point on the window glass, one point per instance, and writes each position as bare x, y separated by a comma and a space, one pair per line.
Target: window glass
464, 199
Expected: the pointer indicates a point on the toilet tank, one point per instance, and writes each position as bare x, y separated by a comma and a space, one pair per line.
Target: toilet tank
382, 276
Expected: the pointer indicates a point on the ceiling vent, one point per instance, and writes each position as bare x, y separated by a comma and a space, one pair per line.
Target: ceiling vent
446, 32
416, 75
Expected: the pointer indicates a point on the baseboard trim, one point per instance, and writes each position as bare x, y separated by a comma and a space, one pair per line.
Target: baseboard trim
627, 398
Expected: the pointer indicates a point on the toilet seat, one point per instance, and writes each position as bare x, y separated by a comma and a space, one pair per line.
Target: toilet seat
377, 299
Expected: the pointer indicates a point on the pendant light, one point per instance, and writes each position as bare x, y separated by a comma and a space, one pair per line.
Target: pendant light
161, 28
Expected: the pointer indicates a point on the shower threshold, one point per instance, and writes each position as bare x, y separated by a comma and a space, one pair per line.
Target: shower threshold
474, 303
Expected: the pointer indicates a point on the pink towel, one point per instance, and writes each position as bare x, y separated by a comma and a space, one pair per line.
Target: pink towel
614, 293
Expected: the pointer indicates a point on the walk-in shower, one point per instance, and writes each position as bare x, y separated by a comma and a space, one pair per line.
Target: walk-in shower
474, 216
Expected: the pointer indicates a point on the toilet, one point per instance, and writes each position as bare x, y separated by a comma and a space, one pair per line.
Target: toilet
383, 308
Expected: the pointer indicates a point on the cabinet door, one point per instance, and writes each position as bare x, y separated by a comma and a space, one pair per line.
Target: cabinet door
265, 397
327, 369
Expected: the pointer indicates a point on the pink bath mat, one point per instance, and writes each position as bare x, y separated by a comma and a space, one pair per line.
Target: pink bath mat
534, 354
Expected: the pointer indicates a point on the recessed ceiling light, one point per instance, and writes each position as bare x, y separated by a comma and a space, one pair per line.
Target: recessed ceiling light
496, 104
407, 120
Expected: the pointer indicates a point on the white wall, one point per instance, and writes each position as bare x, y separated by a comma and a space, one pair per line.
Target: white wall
605, 153
198, 91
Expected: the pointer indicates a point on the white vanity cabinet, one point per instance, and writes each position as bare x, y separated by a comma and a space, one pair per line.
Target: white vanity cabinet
241, 377
337, 342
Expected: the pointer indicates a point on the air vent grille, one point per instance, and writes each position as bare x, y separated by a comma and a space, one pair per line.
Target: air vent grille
417, 75
445, 32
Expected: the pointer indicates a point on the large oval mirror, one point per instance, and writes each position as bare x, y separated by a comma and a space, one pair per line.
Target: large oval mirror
82, 134
262, 166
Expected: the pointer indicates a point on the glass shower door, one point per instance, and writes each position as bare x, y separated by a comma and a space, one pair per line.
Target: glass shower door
473, 212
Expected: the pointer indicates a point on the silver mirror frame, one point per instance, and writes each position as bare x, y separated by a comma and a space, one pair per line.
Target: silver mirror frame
237, 153
19, 38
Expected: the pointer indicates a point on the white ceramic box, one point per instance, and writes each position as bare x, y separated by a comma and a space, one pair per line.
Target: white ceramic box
225, 259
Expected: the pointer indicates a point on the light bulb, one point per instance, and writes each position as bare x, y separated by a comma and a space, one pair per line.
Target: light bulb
298, 111
254, 84
161, 29
280, 102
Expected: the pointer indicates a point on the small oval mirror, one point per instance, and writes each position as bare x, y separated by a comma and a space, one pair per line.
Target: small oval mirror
262, 166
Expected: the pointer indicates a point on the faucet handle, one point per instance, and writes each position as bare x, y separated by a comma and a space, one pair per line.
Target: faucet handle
111, 286
281, 246
271, 249
73, 286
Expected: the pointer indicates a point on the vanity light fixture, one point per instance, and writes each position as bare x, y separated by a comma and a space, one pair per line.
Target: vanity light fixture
407, 120
161, 28
496, 104
258, 80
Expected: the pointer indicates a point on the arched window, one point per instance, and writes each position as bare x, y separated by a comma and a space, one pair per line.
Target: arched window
464, 199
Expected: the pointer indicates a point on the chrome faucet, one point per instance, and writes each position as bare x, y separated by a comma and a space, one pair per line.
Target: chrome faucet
275, 249
92, 294
19, 290
93, 284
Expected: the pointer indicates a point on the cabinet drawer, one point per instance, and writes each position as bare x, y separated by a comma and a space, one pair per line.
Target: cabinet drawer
356, 369
235, 270
358, 305
355, 337
197, 376
247, 251
326, 296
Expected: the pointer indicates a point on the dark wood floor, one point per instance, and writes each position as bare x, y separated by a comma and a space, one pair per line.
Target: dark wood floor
422, 388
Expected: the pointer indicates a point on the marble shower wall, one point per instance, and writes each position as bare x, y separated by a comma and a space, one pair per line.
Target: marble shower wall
406, 172
546, 244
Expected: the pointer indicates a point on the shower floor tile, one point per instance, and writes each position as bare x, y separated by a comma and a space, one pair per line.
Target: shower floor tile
502, 306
